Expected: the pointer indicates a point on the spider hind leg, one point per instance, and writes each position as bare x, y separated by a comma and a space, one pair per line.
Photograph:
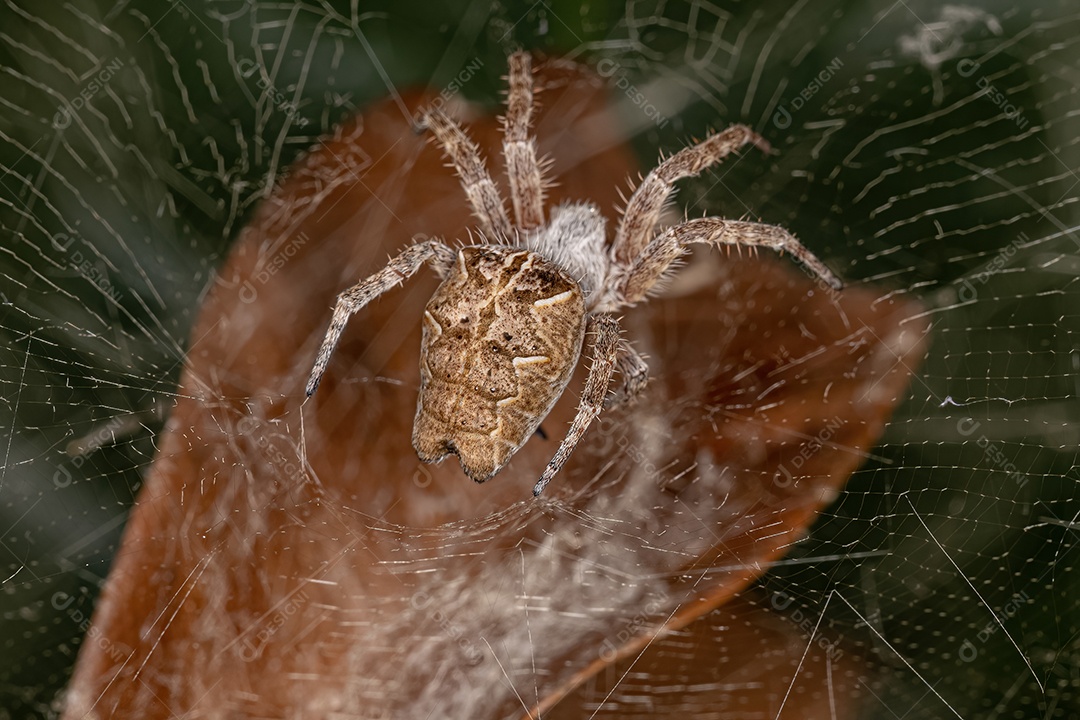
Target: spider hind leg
605, 350
635, 376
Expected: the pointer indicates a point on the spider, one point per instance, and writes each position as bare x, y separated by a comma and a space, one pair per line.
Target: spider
504, 331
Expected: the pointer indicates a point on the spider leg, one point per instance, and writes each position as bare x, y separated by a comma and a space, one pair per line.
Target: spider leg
643, 210
519, 149
635, 376
484, 197
658, 256
605, 350
396, 271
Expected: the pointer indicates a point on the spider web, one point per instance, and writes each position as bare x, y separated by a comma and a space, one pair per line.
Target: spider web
923, 148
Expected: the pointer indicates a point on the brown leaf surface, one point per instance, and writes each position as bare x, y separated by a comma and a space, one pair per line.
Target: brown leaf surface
742, 660
291, 559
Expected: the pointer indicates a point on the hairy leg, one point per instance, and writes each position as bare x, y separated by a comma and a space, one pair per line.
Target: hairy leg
605, 348
396, 271
651, 264
484, 197
526, 181
643, 210
635, 376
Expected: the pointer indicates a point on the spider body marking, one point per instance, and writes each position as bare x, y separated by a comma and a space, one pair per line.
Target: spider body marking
504, 331
502, 336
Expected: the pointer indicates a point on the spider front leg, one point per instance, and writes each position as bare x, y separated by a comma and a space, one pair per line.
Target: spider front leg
350, 301
605, 349
519, 149
658, 256
643, 210
483, 195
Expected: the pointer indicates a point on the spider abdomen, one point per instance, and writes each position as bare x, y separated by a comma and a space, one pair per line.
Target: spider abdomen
502, 336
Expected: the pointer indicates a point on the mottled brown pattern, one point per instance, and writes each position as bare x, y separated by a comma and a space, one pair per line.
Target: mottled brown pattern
502, 336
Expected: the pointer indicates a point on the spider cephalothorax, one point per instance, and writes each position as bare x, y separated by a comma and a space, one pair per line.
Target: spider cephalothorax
504, 331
